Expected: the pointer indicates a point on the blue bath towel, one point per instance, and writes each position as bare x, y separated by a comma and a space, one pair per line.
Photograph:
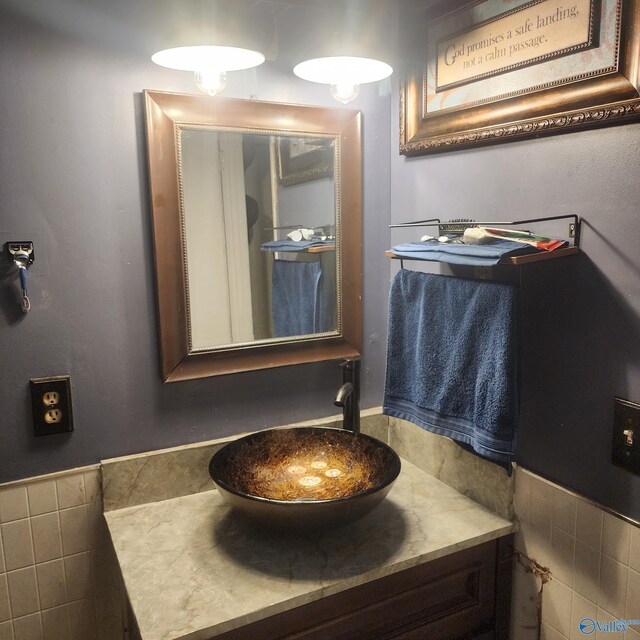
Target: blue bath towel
457, 253
297, 298
452, 360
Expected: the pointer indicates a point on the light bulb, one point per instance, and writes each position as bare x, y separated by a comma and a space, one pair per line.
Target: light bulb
344, 90
210, 82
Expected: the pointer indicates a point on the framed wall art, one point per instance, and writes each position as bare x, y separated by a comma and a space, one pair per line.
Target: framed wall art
497, 70
301, 159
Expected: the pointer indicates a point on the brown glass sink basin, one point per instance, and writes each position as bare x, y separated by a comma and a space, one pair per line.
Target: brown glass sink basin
304, 478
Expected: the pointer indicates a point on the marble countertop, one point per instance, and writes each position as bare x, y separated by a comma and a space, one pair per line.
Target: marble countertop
193, 570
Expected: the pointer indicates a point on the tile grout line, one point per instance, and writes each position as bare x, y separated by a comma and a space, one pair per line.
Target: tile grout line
56, 514
4, 554
35, 568
556, 630
6, 578
93, 582
64, 568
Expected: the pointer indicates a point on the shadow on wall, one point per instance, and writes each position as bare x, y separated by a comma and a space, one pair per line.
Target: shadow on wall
580, 340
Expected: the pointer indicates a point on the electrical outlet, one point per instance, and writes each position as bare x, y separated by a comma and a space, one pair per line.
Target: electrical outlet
626, 435
51, 404
53, 416
51, 398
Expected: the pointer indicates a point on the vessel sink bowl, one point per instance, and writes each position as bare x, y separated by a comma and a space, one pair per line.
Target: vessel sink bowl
304, 478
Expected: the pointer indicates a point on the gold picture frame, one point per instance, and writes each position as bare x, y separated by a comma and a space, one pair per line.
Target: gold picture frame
304, 159
473, 81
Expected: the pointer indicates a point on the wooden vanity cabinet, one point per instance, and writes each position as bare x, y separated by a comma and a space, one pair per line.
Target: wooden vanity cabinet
465, 595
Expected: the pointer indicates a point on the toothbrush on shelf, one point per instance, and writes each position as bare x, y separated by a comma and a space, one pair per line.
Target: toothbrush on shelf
515, 233
480, 235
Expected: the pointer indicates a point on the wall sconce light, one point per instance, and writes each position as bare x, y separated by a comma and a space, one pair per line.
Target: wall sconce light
344, 74
209, 63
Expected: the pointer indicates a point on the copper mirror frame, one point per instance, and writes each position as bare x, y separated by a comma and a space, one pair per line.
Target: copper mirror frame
165, 112
610, 99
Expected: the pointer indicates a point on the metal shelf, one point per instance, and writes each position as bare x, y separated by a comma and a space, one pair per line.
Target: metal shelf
458, 227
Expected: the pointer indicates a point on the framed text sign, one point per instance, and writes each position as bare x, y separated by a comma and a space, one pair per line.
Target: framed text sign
496, 70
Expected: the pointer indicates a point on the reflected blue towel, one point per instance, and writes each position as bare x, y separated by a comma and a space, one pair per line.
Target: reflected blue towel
290, 245
326, 303
451, 360
295, 297
456, 253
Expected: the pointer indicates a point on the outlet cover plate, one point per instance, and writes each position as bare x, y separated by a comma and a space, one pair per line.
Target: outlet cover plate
626, 435
51, 418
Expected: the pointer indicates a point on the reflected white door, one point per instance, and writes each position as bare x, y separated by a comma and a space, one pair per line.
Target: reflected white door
213, 197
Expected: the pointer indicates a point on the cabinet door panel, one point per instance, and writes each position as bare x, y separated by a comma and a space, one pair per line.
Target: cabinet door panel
442, 600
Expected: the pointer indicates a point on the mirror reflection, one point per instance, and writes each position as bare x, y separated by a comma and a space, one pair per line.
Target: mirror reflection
259, 219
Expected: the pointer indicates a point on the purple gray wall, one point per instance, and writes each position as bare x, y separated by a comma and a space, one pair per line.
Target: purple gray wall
72, 162
74, 181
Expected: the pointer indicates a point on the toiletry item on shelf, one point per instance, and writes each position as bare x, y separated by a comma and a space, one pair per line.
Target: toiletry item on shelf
445, 239
484, 235
300, 234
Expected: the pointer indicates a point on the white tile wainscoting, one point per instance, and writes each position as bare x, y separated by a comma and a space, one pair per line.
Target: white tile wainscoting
593, 558
59, 579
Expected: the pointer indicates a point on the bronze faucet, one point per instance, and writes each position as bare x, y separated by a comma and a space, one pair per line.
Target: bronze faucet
348, 396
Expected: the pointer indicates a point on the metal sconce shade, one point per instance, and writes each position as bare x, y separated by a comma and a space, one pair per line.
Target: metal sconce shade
209, 63
344, 73
205, 57
327, 70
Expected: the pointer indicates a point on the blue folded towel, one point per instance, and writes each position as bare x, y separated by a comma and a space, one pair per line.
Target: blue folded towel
291, 245
451, 360
294, 297
457, 253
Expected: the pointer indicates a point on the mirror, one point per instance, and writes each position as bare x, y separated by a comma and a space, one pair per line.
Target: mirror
260, 237
257, 229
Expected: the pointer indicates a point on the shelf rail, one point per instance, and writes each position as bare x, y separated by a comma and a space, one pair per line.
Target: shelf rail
460, 225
